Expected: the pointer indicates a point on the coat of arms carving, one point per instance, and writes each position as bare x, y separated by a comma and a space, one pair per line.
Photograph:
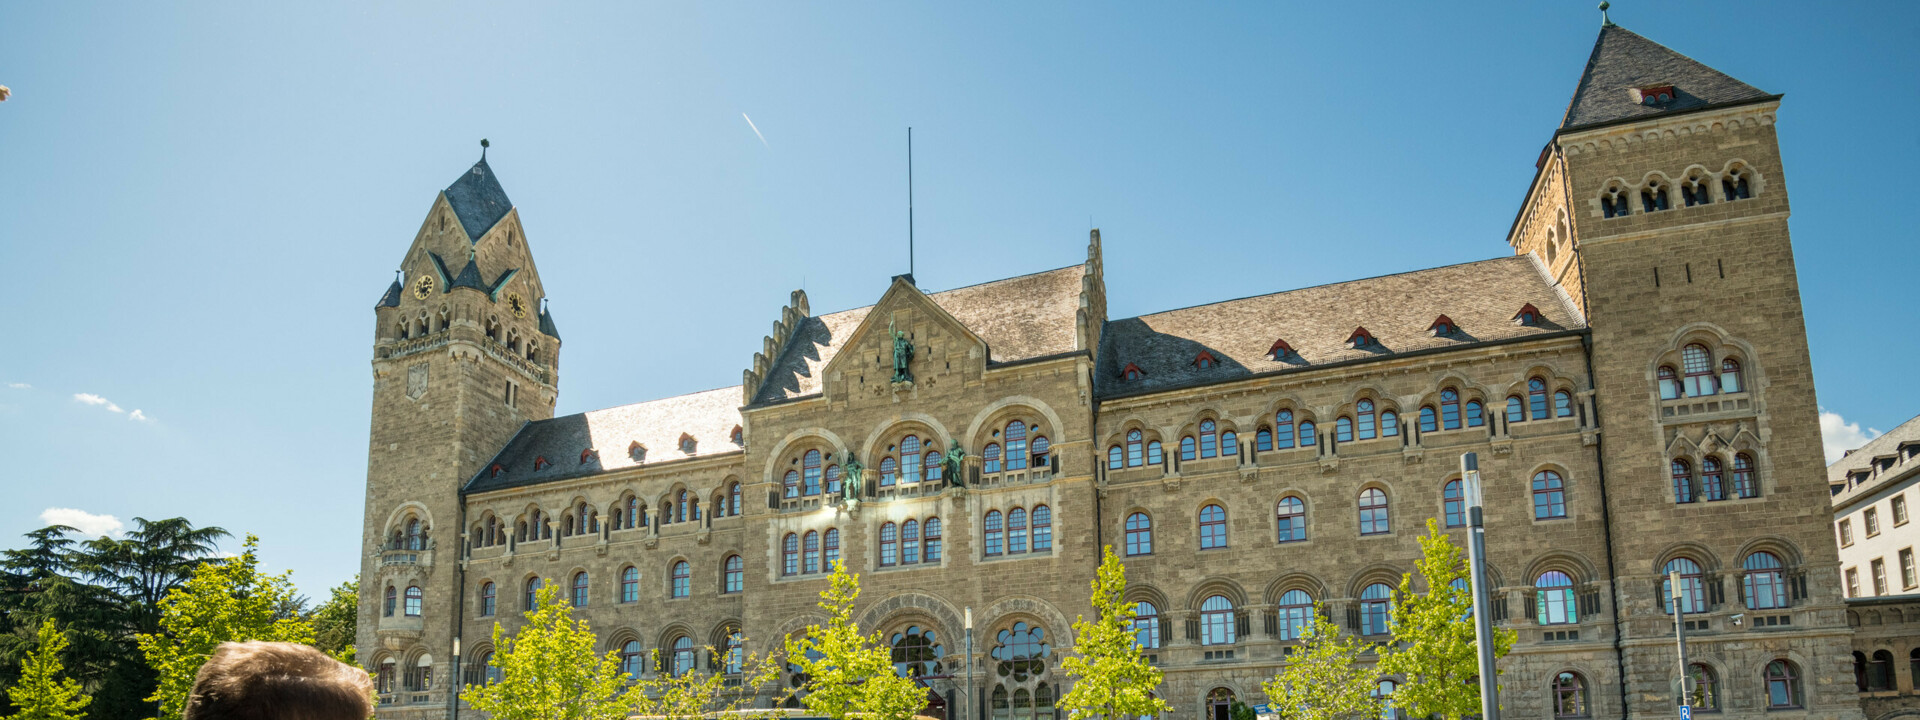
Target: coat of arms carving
416, 381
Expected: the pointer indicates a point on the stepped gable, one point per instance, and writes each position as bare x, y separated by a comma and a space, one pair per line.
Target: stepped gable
1020, 318
708, 416
1887, 445
1398, 311
478, 200
1623, 60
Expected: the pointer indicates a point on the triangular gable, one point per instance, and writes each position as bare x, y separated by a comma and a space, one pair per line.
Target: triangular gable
1623, 61
899, 295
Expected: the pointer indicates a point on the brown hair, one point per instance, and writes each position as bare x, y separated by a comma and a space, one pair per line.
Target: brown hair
278, 681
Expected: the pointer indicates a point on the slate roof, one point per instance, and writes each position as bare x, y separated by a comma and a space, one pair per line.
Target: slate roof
392, 296
1020, 318
709, 417
1623, 60
1481, 298
546, 323
478, 200
1887, 444
469, 277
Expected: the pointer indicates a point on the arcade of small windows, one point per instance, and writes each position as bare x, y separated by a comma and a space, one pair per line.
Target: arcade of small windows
1763, 584
728, 503
811, 553
808, 478
1451, 414
629, 513
1138, 451
583, 519
1010, 534
534, 527
1020, 451
1366, 423
679, 507
1715, 480
1538, 404
489, 532
1657, 194
410, 534
1700, 376
1285, 433
913, 542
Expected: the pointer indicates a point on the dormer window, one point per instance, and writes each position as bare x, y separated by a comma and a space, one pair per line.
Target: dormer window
496, 470
637, 451
1528, 315
1360, 339
738, 436
1280, 350
687, 444
588, 455
541, 463
1653, 95
1443, 326
1205, 361
1132, 373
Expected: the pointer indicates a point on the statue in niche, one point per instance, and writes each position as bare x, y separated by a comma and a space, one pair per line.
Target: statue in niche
850, 486
955, 455
902, 355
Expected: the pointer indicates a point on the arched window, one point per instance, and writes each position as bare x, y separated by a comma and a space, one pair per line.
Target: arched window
734, 657
1562, 403
1698, 366
810, 553
489, 598
935, 472
580, 589
683, 509
1383, 693
1549, 496
810, 473
790, 555
1216, 621
1016, 531
1134, 438
833, 479
916, 653
832, 552
383, 680
1296, 612
1213, 527
1613, 202
1042, 528
1188, 448
1229, 444
1783, 685
1553, 599
632, 659
1153, 453
1669, 383
1430, 421
682, 579
1880, 672
414, 598
1706, 689
995, 532
1373, 512
910, 542
732, 575
930, 542
1710, 487
1283, 430
1682, 481
1692, 591
889, 545
889, 471
1454, 498
1146, 625
533, 594
1139, 534
386, 610
1292, 517
1343, 429
1209, 441
1765, 581
990, 458
420, 676
1376, 606
1476, 414
1114, 459
1734, 185
1697, 190
682, 656
1744, 483
1516, 409
910, 459
1653, 197
1537, 398
1307, 436
1016, 445
1569, 695
634, 513
415, 539
1366, 419
733, 499
1730, 376
630, 584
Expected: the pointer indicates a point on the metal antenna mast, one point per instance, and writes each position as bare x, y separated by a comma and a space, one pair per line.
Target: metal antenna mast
909, 201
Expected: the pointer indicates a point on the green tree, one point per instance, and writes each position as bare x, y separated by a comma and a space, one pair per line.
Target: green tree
699, 693
226, 601
849, 674
1435, 633
1324, 679
41, 693
336, 621
1111, 677
549, 670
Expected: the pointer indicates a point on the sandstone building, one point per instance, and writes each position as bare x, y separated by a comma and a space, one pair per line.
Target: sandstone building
1634, 378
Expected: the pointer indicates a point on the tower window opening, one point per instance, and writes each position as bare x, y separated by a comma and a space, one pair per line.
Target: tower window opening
1697, 190
1613, 202
1655, 197
1735, 184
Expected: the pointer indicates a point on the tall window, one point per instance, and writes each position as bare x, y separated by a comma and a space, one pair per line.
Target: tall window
1367, 420
1706, 689
1373, 512
791, 483
790, 554
580, 589
995, 532
1146, 625
1133, 448
1682, 481
1229, 444
1879, 566
931, 541
1711, 488
1765, 581
910, 459
1693, 592
1213, 527
1042, 528
533, 593
1549, 496
1669, 383
1209, 440
1343, 429
1907, 576
1516, 409
1430, 421
414, 598
889, 545
387, 608
889, 471
1450, 409
1476, 414
832, 543
990, 458
1376, 605
488, 599
1537, 398
1188, 448
1783, 685
1698, 366
1553, 599
1139, 534
915, 652
810, 552
1455, 501
1745, 484
910, 542
1016, 445
1569, 696
1114, 460
682, 583
932, 463
1283, 430
1016, 531
1307, 436
632, 659
1383, 694
1296, 612
1730, 376
833, 479
1562, 403
810, 473
735, 655
1292, 519
733, 573
733, 499
1216, 621
682, 656
1154, 456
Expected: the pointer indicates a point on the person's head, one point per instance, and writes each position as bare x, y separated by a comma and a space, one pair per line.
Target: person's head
278, 681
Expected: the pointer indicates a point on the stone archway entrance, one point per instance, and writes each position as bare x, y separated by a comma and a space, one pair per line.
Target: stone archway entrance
1220, 704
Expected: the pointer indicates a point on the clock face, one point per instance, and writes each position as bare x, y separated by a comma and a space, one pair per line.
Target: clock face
423, 287
517, 305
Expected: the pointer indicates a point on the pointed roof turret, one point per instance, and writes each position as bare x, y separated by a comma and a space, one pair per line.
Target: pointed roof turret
478, 200
392, 297
1627, 77
546, 323
469, 277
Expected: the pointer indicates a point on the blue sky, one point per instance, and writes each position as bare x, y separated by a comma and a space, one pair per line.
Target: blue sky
200, 203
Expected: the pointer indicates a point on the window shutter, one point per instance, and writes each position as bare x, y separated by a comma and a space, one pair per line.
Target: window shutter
1534, 601
1271, 619
1193, 628
1242, 625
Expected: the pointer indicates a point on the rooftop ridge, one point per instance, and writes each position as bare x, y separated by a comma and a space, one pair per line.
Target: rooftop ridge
1337, 283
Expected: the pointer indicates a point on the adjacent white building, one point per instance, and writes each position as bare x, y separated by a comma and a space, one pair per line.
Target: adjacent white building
1873, 504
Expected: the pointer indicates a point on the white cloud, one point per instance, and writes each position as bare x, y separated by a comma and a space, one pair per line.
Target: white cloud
19, 386
86, 522
140, 416
1838, 436
97, 401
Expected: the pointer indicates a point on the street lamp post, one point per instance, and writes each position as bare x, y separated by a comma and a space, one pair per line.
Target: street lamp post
971, 700
1477, 564
1679, 594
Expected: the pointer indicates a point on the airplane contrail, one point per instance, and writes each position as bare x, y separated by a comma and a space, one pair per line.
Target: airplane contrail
756, 131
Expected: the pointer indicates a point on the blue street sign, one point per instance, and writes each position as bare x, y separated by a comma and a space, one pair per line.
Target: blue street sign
1263, 709
1686, 712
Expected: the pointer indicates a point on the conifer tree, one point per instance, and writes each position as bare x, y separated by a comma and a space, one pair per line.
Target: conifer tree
1324, 678
846, 673
1111, 677
43, 693
1435, 633
549, 671
224, 601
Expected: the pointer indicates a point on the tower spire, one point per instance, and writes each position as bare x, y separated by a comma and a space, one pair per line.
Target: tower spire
484, 143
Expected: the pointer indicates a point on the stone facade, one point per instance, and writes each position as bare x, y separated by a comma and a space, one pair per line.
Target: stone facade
1574, 332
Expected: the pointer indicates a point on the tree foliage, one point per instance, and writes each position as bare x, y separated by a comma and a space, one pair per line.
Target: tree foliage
1111, 676
846, 673
336, 621
227, 601
42, 693
700, 693
1435, 633
1324, 679
549, 670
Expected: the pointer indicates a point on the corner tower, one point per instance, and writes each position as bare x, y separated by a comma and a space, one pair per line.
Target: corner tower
1661, 208
464, 354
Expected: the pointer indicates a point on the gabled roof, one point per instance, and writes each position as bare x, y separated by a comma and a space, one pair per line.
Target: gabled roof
469, 277
1020, 318
392, 296
478, 200
1317, 322
657, 425
1623, 60
1859, 459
